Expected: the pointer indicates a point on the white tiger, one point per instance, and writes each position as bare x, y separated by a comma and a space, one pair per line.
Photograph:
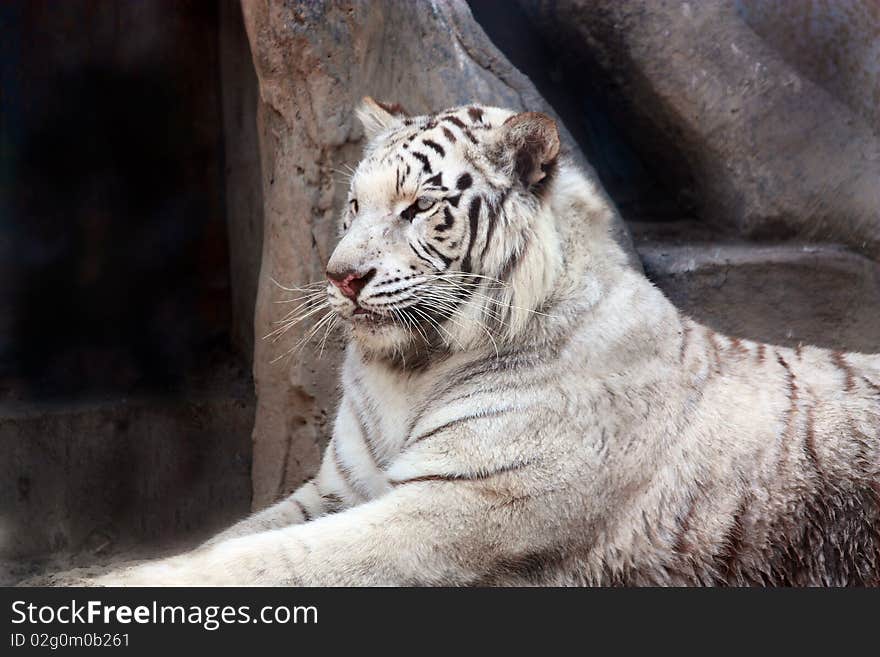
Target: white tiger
521, 407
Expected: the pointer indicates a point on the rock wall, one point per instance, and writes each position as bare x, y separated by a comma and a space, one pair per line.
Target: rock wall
763, 151
834, 44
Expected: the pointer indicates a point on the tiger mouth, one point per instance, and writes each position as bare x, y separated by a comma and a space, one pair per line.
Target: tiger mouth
364, 315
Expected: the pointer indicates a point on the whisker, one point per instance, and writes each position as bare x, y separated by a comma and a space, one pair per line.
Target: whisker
453, 310
489, 299
310, 295
293, 322
493, 312
502, 304
464, 274
471, 283
308, 336
435, 324
308, 287
300, 308
446, 296
410, 323
329, 328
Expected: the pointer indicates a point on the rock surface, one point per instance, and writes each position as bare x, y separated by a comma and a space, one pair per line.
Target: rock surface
84, 480
314, 63
835, 44
761, 149
785, 294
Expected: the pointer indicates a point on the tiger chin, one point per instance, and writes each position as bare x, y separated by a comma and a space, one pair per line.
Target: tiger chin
520, 407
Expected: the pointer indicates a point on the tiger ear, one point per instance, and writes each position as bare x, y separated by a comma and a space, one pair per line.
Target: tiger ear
532, 139
376, 116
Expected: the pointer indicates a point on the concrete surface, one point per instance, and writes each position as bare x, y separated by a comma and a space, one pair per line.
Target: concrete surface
83, 481
784, 294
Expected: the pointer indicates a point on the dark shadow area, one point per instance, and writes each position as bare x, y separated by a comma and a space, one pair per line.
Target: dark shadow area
126, 406
574, 87
116, 274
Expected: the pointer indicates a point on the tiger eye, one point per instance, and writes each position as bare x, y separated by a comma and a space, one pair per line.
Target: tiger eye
424, 203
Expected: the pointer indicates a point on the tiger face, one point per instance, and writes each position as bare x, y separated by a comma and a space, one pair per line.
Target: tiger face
440, 212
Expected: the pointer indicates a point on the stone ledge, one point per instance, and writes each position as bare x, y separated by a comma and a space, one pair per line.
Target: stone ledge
90, 479
784, 294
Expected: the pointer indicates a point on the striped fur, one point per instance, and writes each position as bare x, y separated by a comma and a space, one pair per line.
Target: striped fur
543, 415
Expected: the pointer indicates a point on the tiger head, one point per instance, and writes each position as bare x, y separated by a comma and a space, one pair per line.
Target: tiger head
443, 240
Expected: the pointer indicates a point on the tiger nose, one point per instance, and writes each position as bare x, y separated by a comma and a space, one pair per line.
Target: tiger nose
349, 282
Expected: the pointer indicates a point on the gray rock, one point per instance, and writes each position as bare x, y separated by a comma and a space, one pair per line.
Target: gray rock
816, 294
835, 44
761, 149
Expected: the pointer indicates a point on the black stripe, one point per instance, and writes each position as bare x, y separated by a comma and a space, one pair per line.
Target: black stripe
446, 260
448, 134
453, 200
391, 293
472, 476
421, 257
426, 164
491, 219
839, 359
464, 181
447, 385
473, 216
454, 120
733, 544
810, 442
685, 334
433, 144
332, 503
502, 363
343, 470
435, 180
501, 389
475, 113
456, 421
448, 222
307, 517
404, 175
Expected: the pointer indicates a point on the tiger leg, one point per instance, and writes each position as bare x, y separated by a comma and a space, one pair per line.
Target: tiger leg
289, 511
333, 489
425, 533
322, 495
